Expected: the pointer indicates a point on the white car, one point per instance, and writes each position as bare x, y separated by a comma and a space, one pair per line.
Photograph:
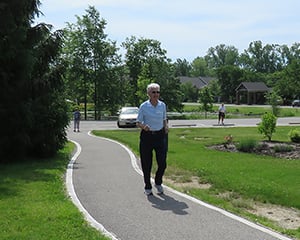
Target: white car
127, 117
296, 103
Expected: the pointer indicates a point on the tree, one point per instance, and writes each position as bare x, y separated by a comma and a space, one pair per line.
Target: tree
199, 67
291, 78
263, 59
274, 100
206, 98
268, 125
161, 72
93, 62
190, 92
229, 77
182, 68
222, 55
32, 97
215, 90
138, 53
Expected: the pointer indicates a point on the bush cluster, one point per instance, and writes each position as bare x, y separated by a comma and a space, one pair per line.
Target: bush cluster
247, 145
294, 135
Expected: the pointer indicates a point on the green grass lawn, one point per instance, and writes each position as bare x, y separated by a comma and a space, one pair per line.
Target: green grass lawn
248, 176
34, 204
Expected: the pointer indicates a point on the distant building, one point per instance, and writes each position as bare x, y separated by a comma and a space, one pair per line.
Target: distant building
251, 93
198, 82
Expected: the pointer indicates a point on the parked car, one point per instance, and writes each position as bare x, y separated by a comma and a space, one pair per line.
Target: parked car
296, 103
127, 117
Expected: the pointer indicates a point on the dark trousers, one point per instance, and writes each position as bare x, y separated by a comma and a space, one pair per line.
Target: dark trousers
221, 116
156, 141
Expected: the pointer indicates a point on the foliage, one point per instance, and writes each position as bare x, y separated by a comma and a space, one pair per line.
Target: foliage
294, 135
268, 125
221, 56
138, 53
190, 92
274, 100
200, 68
93, 63
247, 145
32, 95
283, 148
147, 62
264, 59
215, 89
206, 99
182, 68
229, 78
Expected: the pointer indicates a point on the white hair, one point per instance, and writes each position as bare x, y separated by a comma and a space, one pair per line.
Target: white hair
152, 86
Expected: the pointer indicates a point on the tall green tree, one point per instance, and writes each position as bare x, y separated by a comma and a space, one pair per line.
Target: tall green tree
288, 84
222, 55
93, 61
229, 77
182, 67
161, 72
199, 67
206, 99
274, 100
263, 59
31, 94
190, 92
138, 53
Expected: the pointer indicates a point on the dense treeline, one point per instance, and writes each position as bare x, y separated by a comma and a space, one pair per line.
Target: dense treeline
40, 69
145, 61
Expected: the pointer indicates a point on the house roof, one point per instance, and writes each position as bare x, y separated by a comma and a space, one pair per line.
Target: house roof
252, 87
198, 82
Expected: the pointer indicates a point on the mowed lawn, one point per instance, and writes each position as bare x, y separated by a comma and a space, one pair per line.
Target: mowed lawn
34, 204
244, 175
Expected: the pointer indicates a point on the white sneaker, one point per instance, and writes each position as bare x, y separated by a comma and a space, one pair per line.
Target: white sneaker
148, 192
160, 189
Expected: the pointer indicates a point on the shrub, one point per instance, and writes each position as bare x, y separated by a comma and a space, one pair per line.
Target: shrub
247, 145
268, 125
283, 148
294, 135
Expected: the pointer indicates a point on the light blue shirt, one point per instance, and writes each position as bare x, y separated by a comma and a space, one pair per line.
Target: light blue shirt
153, 116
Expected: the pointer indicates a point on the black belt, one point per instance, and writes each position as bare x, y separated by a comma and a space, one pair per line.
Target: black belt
154, 132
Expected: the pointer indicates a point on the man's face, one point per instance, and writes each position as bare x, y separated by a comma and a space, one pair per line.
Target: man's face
154, 93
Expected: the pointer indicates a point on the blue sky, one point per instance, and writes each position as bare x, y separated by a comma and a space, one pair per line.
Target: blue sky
187, 28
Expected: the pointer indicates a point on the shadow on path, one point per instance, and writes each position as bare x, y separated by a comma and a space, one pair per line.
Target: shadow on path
167, 203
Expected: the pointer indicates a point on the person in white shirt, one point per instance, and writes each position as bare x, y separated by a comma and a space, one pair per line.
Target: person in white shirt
222, 111
152, 119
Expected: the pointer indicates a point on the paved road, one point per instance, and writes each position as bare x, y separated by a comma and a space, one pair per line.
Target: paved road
106, 184
244, 122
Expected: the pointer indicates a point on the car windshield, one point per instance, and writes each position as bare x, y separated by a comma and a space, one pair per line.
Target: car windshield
130, 111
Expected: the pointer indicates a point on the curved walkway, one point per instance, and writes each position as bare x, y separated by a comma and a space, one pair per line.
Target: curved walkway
106, 184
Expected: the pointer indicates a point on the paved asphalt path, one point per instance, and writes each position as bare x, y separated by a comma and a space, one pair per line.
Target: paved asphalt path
105, 182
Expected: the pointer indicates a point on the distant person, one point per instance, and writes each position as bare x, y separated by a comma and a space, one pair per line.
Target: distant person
77, 116
152, 119
222, 111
